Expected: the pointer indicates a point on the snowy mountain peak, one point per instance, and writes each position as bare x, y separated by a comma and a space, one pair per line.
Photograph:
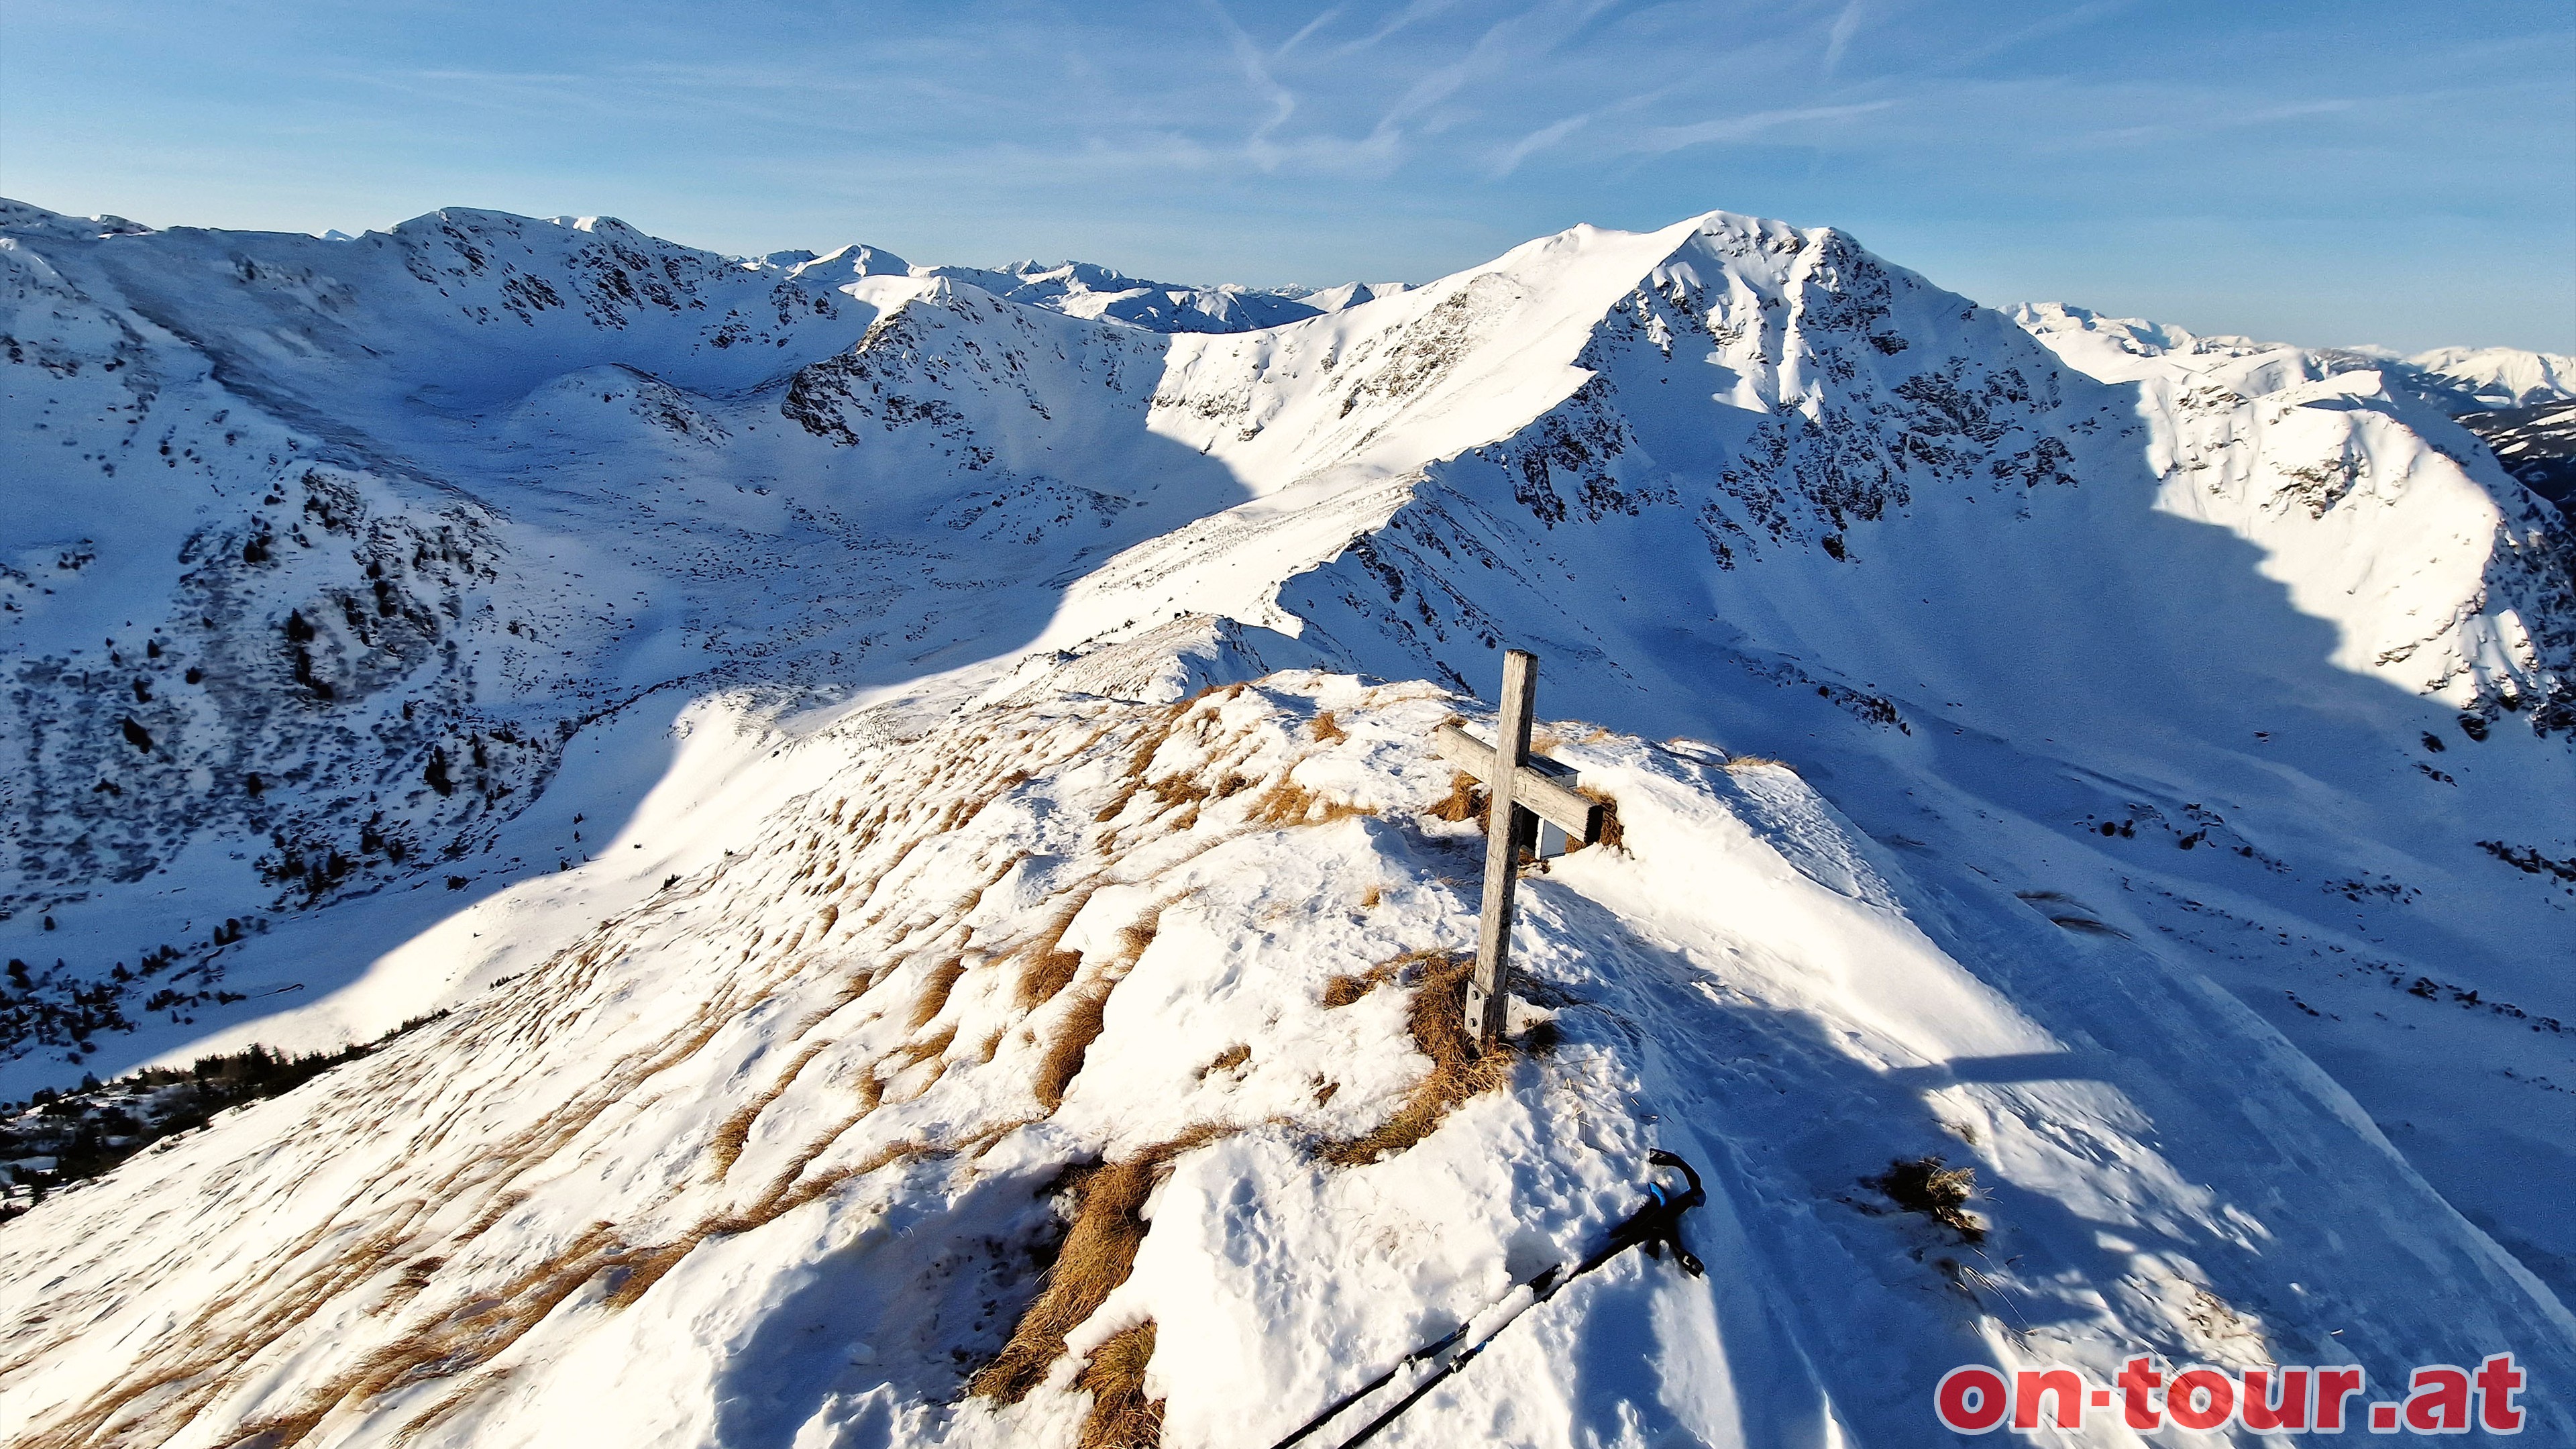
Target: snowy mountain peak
845, 261
1347, 295
602, 225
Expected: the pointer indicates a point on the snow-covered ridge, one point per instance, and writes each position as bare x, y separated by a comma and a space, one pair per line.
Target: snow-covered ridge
2498, 376
2455, 379
1081, 289
1097, 293
2156, 710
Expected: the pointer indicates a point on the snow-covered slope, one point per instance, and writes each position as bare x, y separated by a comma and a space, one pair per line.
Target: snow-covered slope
2537, 445
2264, 434
757, 700
769, 1159
2509, 399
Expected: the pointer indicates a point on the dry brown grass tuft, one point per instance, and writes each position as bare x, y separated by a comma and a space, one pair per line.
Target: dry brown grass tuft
1341, 991
908, 1149
934, 993
1613, 835
1117, 805
1289, 803
726, 1146
922, 1051
1121, 1416
1140, 760
1923, 1185
415, 1278
1152, 739
1465, 800
1227, 1060
1099, 1251
1083, 1022
1328, 729
1437, 1020
1046, 974
1285, 803
632, 1278
1052, 968
1753, 762
1138, 934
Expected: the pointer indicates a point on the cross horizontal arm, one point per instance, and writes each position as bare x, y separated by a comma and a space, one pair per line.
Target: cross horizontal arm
1544, 787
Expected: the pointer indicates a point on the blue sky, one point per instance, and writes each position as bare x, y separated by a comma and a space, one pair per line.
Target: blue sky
2401, 173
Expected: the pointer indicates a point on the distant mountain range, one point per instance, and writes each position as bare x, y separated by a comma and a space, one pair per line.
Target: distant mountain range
889, 814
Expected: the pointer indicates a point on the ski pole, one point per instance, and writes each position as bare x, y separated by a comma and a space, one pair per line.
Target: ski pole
1654, 1227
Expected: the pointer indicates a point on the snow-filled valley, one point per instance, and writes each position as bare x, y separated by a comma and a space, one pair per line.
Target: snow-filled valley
897, 806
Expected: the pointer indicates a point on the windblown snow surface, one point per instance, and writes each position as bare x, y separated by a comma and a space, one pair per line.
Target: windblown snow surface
767, 706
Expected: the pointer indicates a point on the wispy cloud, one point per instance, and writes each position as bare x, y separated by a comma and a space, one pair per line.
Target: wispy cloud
1658, 140
1256, 70
1516, 44
2058, 24
2203, 120
1839, 38
1536, 141
1331, 137
1322, 19
1414, 12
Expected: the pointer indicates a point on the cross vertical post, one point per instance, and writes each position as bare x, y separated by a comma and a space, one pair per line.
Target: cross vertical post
1488, 991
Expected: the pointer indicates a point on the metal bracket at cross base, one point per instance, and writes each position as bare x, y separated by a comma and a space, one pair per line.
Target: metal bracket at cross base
1528, 789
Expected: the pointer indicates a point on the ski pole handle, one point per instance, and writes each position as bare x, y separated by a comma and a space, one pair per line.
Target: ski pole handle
1660, 1158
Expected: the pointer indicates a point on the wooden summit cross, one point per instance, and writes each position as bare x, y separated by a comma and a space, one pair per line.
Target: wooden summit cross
1528, 789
